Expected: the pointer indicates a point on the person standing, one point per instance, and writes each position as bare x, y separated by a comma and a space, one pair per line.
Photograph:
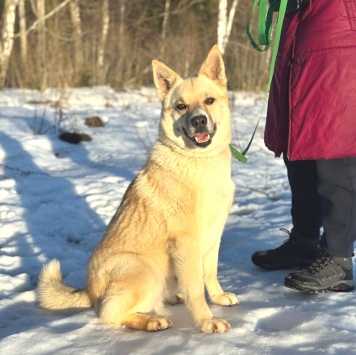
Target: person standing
311, 121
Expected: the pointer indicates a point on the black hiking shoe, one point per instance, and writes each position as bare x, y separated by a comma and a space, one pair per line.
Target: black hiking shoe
326, 273
296, 252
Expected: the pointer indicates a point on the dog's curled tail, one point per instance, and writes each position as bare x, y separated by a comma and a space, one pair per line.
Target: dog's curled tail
54, 295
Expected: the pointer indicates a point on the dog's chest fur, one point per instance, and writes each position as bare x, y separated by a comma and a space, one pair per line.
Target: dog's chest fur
197, 186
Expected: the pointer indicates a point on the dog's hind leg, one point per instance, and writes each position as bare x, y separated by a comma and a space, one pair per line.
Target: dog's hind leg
134, 295
118, 309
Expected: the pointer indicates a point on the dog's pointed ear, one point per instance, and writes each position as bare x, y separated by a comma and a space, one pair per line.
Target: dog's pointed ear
164, 78
213, 67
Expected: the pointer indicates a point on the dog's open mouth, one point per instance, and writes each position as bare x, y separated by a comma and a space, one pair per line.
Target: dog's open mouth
201, 139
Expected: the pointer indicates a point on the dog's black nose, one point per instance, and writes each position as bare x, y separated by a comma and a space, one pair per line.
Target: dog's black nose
199, 121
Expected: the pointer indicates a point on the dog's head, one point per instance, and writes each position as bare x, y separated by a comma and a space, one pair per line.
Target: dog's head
195, 111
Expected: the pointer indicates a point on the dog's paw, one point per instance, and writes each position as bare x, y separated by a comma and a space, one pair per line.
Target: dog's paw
225, 299
215, 325
158, 323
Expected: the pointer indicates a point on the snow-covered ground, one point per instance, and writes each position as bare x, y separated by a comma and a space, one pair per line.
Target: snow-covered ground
56, 199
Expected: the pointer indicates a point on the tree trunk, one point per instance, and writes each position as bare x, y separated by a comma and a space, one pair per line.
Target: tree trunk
225, 22
41, 12
164, 27
23, 36
77, 34
103, 39
122, 19
7, 37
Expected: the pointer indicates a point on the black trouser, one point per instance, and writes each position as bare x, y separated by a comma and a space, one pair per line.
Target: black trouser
324, 195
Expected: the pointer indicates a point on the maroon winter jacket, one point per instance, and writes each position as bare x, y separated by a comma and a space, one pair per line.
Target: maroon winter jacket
312, 102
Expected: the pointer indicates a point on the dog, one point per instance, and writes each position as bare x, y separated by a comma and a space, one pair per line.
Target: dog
161, 247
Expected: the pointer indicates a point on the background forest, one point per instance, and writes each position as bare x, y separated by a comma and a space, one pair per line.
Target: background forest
71, 43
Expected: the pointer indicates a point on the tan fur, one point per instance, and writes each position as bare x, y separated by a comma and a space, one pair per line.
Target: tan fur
166, 233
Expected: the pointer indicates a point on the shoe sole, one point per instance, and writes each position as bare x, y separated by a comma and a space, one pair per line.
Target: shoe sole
340, 286
300, 264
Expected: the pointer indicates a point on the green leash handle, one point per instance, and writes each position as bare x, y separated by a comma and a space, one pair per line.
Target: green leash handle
242, 156
281, 14
265, 19
237, 155
265, 22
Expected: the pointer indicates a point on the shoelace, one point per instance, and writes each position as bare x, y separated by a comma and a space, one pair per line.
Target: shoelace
320, 263
287, 240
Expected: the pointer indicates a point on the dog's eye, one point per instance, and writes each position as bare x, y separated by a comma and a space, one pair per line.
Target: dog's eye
209, 101
181, 107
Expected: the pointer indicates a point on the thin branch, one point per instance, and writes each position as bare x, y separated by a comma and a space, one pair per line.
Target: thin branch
51, 13
182, 7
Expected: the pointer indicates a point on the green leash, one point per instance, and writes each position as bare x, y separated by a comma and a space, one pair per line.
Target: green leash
265, 21
242, 156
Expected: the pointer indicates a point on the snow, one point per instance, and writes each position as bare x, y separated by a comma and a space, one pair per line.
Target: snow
56, 199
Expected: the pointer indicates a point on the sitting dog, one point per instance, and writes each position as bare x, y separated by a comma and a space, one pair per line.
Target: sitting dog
161, 246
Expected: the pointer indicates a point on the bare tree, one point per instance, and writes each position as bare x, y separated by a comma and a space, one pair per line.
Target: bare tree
77, 32
164, 26
41, 49
66, 42
225, 21
103, 38
122, 19
45, 17
22, 26
7, 37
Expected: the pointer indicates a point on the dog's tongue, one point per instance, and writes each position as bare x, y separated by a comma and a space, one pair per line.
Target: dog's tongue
202, 137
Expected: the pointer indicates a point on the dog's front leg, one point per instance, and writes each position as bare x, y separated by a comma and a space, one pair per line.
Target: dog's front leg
189, 268
216, 293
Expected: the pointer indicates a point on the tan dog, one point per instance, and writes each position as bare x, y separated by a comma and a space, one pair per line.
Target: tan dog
167, 230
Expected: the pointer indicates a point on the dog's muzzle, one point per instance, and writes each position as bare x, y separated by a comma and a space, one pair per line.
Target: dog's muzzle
199, 132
